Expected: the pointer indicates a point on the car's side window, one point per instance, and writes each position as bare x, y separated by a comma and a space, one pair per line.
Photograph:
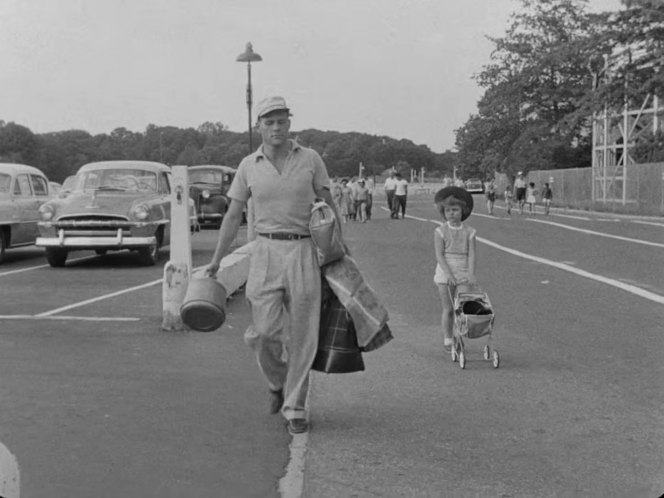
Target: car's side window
39, 186
22, 186
164, 184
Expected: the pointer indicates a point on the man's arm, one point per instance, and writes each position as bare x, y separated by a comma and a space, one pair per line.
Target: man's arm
229, 228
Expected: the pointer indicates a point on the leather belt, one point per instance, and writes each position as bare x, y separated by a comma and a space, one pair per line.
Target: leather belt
284, 236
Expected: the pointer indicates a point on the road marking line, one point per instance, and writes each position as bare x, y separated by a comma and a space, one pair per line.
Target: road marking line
105, 296
99, 298
601, 234
593, 276
648, 223
70, 317
633, 289
21, 270
10, 476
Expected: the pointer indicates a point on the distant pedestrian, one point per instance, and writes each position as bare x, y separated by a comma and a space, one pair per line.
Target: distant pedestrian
520, 191
547, 198
347, 201
390, 188
361, 200
352, 184
508, 198
490, 194
400, 197
335, 190
454, 244
371, 187
531, 197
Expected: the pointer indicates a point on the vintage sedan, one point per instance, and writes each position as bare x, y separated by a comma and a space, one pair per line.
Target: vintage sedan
23, 189
208, 185
114, 205
475, 186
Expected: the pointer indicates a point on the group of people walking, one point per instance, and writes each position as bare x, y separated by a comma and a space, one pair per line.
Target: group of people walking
523, 193
353, 198
396, 191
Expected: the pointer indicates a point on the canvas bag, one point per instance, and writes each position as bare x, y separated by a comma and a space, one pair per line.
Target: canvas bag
325, 233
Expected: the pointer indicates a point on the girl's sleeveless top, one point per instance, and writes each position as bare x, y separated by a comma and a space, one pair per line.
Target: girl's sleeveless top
456, 243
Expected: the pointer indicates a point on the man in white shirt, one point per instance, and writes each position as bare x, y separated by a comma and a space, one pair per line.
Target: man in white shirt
390, 187
400, 195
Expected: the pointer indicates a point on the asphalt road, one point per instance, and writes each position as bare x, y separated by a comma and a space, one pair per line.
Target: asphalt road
110, 405
575, 408
98, 402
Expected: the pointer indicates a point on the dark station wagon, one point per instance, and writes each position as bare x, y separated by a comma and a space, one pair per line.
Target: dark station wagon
208, 185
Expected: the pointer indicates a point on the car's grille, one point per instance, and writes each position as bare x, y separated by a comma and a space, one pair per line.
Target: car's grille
94, 226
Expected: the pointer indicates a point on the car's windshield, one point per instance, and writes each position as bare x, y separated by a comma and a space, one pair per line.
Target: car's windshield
5, 183
129, 180
205, 176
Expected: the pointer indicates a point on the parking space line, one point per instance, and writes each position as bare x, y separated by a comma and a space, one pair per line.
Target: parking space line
21, 270
99, 298
105, 296
66, 317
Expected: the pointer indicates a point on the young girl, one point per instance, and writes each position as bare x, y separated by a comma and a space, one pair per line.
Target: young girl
508, 198
454, 243
531, 197
490, 195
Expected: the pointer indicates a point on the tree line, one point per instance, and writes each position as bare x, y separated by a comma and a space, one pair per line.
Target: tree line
60, 154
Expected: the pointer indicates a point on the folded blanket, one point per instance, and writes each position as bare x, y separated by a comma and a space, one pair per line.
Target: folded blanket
369, 315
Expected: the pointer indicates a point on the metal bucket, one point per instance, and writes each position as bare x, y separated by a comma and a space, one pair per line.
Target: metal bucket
204, 307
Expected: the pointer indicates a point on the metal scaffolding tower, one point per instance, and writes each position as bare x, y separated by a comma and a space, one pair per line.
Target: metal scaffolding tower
615, 134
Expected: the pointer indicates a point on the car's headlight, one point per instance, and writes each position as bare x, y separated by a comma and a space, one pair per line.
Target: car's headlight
46, 211
140, 211
205, 194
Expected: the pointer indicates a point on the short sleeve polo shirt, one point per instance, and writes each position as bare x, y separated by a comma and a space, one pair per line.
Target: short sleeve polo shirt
282, 201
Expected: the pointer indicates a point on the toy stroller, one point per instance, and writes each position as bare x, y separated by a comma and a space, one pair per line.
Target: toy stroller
473, 318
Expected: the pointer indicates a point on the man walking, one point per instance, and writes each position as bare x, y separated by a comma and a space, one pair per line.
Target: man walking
400, 196
284, 284
390, 188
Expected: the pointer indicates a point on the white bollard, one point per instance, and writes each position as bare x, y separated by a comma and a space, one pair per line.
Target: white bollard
10, 479
178, 269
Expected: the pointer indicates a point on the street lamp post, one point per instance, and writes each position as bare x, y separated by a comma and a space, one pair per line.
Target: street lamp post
249, 56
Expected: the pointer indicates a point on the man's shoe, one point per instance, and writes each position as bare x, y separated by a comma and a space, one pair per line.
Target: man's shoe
276, 401
297, 426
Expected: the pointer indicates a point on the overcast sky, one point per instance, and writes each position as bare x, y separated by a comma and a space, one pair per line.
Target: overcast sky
400, 68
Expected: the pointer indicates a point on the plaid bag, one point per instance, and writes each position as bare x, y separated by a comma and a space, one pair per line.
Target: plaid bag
338, 351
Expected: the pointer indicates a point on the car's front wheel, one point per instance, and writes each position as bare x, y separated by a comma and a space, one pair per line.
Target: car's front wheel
3, 244
148, 255
56, 257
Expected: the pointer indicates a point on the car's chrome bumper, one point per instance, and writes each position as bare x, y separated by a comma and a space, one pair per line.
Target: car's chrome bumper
119, 240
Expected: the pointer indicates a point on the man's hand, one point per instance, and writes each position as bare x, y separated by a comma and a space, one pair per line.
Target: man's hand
212, 269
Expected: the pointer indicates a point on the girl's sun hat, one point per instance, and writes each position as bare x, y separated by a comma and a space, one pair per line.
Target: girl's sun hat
458, 193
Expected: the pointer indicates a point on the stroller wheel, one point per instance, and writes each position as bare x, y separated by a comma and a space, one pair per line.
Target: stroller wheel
496, 359
487, 352
462, 360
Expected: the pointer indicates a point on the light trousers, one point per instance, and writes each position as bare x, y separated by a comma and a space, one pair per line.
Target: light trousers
284, 291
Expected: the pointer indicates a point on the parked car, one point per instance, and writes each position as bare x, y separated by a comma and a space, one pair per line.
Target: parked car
475, 186
23, 189
67, 186
114, 205
208, 185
